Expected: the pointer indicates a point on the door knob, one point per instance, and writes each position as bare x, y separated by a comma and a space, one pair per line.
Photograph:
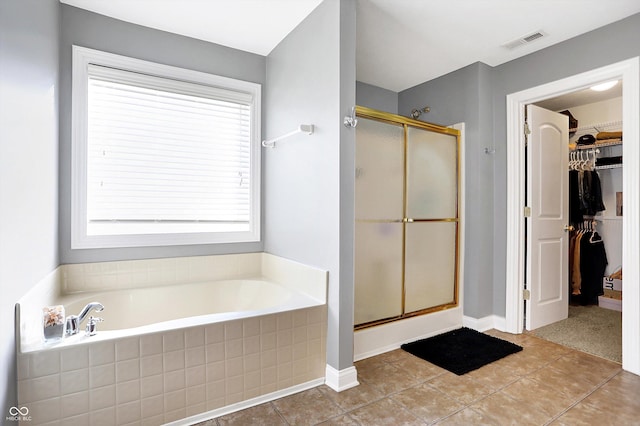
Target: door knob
568, 228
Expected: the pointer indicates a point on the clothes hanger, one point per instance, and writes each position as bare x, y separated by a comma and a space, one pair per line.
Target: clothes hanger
594, 233
581, 162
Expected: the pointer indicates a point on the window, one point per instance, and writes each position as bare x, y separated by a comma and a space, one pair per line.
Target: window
162, 155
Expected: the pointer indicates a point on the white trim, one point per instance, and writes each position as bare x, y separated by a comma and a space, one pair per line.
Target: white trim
461, 213
246, 404
82, 58
340, 380
383, 338
629, 72
483, 324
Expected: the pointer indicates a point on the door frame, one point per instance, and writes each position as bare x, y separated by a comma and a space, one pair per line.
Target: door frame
629, 72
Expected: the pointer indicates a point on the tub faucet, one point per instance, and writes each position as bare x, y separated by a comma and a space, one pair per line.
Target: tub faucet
74, 321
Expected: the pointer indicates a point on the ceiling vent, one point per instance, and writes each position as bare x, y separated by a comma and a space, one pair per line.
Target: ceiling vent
521, 41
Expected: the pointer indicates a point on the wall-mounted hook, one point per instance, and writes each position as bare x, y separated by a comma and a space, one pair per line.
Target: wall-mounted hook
351, 120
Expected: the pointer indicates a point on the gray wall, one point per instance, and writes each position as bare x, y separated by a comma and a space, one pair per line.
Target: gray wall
96, 31
604, 46
477, 95
347, 186
29, 33
375, 97
461, 96
302, 173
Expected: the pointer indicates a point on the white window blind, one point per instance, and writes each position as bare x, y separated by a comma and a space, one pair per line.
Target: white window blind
167, 156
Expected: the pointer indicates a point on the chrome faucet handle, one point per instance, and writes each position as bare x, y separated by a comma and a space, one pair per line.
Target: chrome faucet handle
72, 325
92, 325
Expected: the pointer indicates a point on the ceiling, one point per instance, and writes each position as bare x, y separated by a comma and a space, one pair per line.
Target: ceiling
400, 43
582, 97
255, 26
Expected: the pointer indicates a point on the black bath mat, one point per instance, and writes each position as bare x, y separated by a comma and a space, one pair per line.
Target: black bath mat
461, 350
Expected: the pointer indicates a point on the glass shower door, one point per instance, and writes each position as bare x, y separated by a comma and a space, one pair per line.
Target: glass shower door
432, 220
379, 199
406, 208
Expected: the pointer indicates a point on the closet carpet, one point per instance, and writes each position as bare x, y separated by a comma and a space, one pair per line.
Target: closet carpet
590, 329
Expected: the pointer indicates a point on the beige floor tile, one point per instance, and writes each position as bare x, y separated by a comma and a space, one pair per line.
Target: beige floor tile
388, 378
421, 369
546, 398
395, 356
355, 397
542, 354
572, 386
385, 413
586, 367
427, 402
263, 414
463, 388
344, 420
308, 407
543, 382
494, 376
506, 411
519, 364
621, 404
518, 339
584, 414
369, 363
624, 385
467, 417
551, 349
212, 422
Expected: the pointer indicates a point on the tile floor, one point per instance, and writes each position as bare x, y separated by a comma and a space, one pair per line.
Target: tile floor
544, 384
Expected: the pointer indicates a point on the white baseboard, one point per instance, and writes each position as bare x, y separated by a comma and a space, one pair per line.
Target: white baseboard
500, 323
246, 404
485, 323
340, 380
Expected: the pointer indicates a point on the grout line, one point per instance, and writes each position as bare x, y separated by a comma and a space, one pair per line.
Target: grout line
593, 390
278, 412
492, 391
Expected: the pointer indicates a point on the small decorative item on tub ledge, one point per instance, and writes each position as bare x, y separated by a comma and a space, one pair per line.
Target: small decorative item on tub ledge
53, 322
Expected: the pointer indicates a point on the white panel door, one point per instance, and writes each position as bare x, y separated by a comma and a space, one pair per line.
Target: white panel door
548, 197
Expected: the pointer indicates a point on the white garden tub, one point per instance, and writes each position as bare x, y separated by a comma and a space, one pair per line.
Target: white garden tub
238, 330
153, 309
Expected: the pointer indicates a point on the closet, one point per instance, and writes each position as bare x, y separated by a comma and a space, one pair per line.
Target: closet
406, 208
595, 206
592, 254
595, 152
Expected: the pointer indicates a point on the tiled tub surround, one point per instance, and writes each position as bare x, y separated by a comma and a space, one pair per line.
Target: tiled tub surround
169, 371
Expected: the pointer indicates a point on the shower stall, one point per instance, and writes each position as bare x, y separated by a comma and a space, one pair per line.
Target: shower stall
407, 218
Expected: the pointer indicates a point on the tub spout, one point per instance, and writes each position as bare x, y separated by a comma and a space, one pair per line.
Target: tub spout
73, 321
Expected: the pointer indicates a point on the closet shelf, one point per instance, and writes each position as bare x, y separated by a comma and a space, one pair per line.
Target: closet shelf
608, 142
609, 166
600, 127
